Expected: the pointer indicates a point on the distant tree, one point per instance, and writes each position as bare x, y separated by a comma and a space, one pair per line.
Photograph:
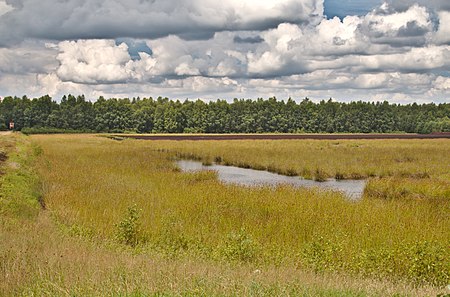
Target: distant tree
162, 115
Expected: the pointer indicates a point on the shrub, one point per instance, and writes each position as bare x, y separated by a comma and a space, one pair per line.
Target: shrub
45, 130
240, 246
320, 175
128, 231
428, 264
322, 254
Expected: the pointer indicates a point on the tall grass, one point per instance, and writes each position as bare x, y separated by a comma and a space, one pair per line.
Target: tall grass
345, 158
41, 258
89, 183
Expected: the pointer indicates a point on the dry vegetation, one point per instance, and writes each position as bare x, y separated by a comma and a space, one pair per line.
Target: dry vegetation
348, 158
120, 219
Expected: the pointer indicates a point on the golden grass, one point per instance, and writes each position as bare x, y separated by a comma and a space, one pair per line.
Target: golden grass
37, 259
349, 158
41, 258
89, 183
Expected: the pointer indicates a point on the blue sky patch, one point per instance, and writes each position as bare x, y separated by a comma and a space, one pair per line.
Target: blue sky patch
135, 47
342, 8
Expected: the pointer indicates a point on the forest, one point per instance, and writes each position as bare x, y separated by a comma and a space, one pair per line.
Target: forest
161, 115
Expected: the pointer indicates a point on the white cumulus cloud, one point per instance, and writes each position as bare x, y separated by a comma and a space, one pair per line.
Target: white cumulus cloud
93, 61
203, 48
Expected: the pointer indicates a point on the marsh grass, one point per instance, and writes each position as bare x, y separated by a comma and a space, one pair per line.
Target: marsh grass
89, 182
204, 238
347, 158
39, 260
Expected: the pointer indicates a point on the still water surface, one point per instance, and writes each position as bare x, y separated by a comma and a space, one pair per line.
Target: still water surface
249, 177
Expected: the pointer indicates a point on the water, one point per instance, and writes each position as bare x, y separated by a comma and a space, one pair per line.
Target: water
249, 177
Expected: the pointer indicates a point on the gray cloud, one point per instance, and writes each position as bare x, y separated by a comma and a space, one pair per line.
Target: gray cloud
28, 57
392, 52
402, 5
251, 39
98, 19
410, 27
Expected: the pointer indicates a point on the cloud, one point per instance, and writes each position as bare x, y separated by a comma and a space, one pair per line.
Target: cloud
392, 52
443, 33
4, 8
331, 48
406, 28
383, 40
442, 83
93, 61
109, 19
26, 58
402, 5
414, 60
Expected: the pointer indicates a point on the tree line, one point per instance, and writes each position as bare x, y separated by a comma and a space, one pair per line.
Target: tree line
161, 115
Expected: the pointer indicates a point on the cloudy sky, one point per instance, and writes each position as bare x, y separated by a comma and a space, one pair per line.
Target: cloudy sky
397, 50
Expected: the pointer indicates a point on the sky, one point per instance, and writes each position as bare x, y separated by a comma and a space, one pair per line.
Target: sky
370, 50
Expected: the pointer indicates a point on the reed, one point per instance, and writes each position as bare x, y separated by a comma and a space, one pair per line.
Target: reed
90, 182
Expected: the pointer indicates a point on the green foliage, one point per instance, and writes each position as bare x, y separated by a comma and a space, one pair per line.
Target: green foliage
323, 254
20, 189
428, 263
128, 230
241, 116
421, 262
43, 130
240, 246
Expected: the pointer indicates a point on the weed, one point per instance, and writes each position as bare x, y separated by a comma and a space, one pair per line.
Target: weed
320, 175
207, 162
323, 254
128, 229
240, 246
339, 176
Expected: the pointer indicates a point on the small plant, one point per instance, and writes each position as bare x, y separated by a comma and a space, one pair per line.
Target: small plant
290, 172
207, 162
339, 176
240, 246
323, 255
320, 175
128, 231
427, 263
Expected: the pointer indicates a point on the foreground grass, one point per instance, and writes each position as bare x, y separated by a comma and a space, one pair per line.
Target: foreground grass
41, 257
37, 260
90, 182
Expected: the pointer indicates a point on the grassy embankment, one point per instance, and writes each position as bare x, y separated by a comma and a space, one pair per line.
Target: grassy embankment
196, 236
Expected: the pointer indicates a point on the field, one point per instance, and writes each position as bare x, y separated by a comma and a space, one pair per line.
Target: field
95, 216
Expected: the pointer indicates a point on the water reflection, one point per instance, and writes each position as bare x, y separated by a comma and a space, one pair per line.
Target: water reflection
249, 177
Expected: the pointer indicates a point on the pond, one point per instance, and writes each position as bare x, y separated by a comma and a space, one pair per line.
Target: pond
249, 177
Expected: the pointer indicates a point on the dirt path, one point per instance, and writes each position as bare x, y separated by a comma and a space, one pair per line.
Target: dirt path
286, 136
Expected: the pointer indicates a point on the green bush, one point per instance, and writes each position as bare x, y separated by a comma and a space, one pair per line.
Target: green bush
322, 254
128, 231
240, 246
44, 130
428, 264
